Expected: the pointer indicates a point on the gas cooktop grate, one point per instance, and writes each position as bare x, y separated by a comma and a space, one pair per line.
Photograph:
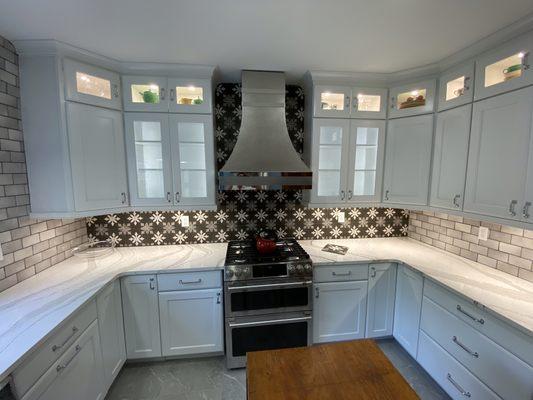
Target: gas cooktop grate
245, 252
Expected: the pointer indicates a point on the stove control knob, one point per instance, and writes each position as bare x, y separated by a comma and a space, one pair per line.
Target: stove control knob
230, 273
308, 268
300, 268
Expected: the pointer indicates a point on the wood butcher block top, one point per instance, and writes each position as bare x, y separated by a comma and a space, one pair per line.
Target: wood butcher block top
338, 371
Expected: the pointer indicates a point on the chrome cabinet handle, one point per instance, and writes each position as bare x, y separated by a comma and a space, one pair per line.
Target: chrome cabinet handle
512, 210
343, 195
525, 210
347, 102
162, 93
56, 347
269, 322
525, 64
172, 95
199, 280
124, 198
386, 195
218, 298
169, 197
61, 367
317, 292
270, 285
115, 90
152, 284
457, 386
177, 197
350, 194
372, 272
474, 354
455, 200
343, 274
475, 319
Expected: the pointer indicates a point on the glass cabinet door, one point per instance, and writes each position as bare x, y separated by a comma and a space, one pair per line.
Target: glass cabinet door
190, 95
455, 87
91, 85
332, 101
369, 103
330, 140
145, 93
504, 69
365, 161
193, 168
413, 99
148, 148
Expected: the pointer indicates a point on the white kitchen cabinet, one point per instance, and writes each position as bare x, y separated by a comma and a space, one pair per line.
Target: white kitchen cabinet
141, 316
412, 99
347, 161
456, 87
190, 95
332, 101
500, 145
408, 305
339, 311
145, 93
369, 103
193, 159
381, 298
76, 375
505, 68
97, 157
191, 322
407, 160
450, 155
111, 328
88, 84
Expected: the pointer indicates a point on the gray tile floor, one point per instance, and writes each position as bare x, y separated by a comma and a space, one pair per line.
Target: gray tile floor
208, 379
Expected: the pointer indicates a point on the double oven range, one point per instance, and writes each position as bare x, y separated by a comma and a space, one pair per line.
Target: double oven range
267, 299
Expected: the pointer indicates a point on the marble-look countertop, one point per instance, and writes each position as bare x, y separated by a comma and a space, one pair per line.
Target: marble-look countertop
31, 310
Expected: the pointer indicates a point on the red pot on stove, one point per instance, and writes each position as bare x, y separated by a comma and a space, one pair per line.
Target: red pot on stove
264, 245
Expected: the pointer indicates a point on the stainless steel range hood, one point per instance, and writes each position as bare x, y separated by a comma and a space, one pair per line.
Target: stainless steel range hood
264, 157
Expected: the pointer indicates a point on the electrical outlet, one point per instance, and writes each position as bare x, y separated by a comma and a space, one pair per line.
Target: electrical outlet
483, 233
184, 221
340, 217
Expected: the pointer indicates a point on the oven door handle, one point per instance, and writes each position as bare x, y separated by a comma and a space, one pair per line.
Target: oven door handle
270, 285
269, 322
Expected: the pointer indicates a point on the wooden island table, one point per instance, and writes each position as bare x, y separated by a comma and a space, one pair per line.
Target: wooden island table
355, 370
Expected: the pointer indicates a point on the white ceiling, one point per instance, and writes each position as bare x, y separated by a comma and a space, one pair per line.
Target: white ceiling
289, 35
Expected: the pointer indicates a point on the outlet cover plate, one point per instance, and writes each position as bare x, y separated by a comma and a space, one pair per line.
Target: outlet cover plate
184, 219
483, 233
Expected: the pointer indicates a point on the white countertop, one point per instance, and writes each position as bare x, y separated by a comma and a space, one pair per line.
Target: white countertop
32, 309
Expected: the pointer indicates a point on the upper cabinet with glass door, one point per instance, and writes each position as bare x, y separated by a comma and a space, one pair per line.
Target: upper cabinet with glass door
504, 69
349, 102
190, 95
88, 84
456, 87
369, 103
413, 99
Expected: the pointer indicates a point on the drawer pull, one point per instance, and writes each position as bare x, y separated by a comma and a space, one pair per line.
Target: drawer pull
199, 280
56, 347
457, 386
61, 367
341, 274
474, 354
479, 320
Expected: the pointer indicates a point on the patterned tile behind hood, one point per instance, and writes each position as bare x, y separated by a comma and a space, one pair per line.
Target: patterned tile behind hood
240, 214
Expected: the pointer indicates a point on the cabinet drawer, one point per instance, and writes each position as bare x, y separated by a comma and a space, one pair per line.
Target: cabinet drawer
455, 379
341, 273
504, 373
28, 373
502, 333
189, 280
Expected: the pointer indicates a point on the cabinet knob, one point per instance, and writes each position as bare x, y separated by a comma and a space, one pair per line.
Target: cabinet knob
512, 205
177, 197
372, 272
317, 292
169, 197
347, 103
162, 93
343, 195
152, 284
124, 197
386, 194
455, 200
350, 194
525, 210
218, 298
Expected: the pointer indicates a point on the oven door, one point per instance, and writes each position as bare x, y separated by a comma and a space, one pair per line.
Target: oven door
267, 297
265, 332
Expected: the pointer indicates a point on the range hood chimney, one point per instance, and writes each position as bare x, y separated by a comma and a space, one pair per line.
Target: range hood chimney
264, 157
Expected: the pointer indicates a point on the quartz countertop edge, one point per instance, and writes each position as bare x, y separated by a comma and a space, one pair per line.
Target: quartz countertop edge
34, 309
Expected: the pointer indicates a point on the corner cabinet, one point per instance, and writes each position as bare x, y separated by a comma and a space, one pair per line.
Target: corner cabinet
347, 161
456, 87
412, 99
381, 298
408, 160
502, 129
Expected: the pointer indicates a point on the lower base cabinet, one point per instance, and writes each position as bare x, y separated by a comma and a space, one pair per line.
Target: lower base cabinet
77, 374
381, 296
191, 322
339, 311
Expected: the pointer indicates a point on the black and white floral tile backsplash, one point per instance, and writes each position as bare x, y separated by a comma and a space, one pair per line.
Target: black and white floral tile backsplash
240, 214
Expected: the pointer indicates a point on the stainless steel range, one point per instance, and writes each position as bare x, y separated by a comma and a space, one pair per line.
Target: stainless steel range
268, 299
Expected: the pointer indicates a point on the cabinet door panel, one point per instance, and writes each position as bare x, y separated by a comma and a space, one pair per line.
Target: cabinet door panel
381, 295
365, 161
193, 159
450, 156
407, 160
332, 101
369, 103
149, 164
409, 286
145, 93
111, 328
191, 322
498, 155
330, 151
412, 99
97, 157
339, 311
456, 87
190, 96
141, 316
